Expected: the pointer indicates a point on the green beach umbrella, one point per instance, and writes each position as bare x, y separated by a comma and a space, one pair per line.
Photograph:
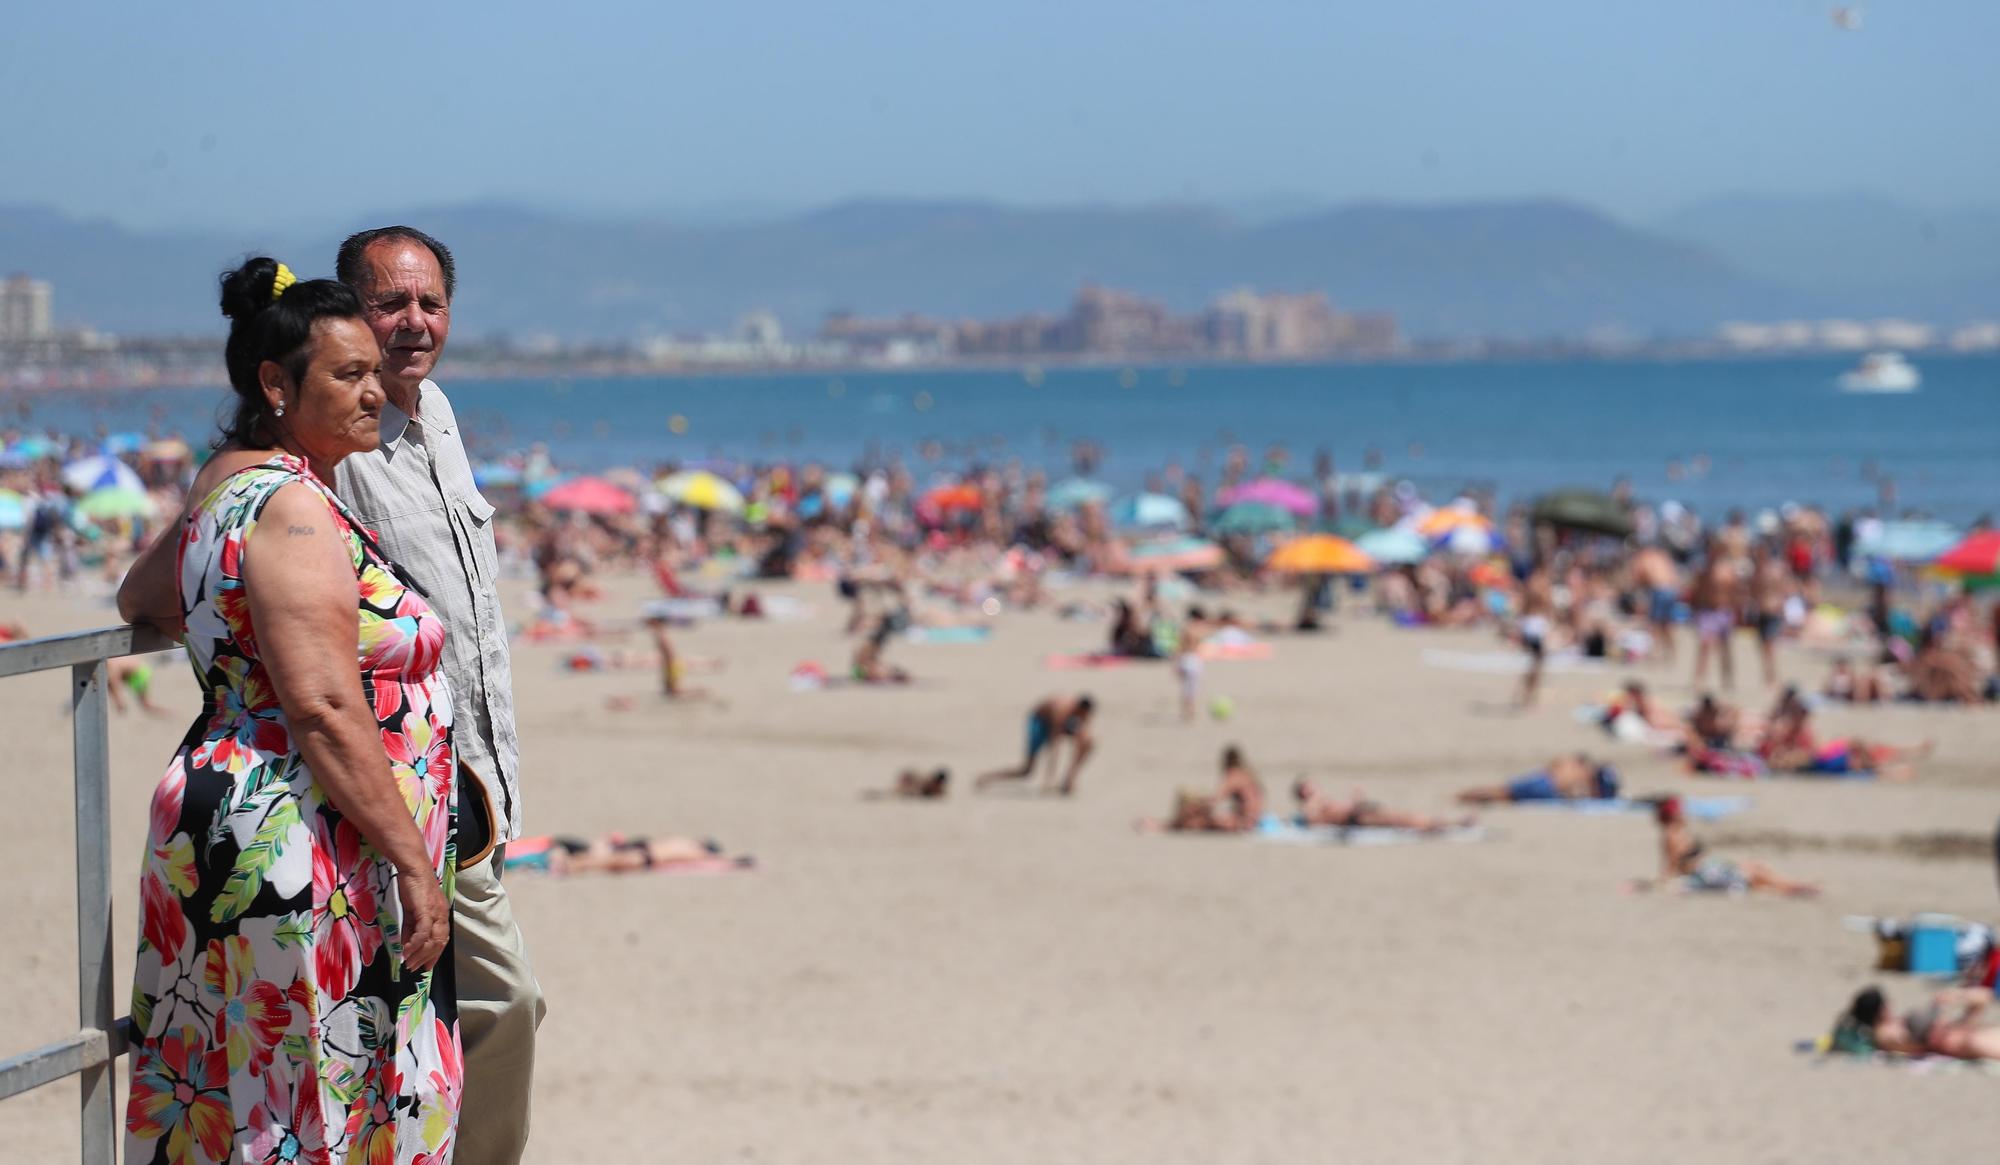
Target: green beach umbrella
1585, 510
114, 502
1252, 518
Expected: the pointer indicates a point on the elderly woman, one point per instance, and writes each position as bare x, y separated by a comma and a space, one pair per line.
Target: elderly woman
291, 998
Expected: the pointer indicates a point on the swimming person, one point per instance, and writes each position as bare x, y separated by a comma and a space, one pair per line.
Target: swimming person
1051, 722
1566, 778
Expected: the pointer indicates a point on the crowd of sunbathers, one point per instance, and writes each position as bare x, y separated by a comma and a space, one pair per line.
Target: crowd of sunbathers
1718, 738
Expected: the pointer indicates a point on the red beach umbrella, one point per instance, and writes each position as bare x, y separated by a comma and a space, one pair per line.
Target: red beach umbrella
590, 495
1979, 554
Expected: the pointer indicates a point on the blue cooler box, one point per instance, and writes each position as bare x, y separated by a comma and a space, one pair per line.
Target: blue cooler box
1932, 945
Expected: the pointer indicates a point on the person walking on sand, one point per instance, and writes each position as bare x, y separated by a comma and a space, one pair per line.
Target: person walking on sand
415, 491
1051, 722
1716, 599
1771, 588
1538, 609
1657, 578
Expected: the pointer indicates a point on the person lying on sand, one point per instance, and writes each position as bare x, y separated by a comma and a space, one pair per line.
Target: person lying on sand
1051, 722
914, 785
868, 666
1236, 806
1947, 1026
1851, 685
1565, 778
1315, 808
614, 853
1682, 859
1789, 746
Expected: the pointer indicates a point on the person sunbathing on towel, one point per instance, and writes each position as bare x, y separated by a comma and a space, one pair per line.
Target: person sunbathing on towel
1236, 806
1948, 1026
1683, 858
614, 853
1565, 778
1316, 808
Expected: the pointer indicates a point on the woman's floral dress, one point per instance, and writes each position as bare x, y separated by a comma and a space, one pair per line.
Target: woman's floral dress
277, 1022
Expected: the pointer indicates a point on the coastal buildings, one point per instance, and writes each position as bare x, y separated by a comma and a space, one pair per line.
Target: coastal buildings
1107, 322
26, 310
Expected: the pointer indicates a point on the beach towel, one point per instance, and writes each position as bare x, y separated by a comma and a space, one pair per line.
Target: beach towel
970, 634
1288, 832
1821, 1051
1696, 808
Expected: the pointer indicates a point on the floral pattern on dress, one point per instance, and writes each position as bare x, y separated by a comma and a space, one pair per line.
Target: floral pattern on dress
276, 1020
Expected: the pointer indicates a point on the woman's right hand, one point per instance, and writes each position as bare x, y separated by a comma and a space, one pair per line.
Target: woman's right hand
426, 924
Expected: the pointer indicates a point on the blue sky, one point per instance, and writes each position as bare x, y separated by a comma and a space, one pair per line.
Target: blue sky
268, 113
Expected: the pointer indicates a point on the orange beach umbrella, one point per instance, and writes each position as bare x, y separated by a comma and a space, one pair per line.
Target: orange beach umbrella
1320, 554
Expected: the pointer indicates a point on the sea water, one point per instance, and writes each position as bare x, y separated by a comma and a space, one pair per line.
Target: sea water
1713, 434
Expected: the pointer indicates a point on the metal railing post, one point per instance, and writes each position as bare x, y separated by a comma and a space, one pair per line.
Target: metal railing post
92, 727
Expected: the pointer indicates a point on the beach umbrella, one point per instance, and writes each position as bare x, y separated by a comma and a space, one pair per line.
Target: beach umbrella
1320, 554
118, 443
114, 502
1272, 491
489, 474
1583, 510
13, 510
1471, 541
702, 490
170, 449
95, 473
33, 448
1170, 555
1396, 545
1915, 540
840, 488
1253, 518
538, 488
1977, 555
1076, 492
1149, 512
947, 499
1451, 519
590, 495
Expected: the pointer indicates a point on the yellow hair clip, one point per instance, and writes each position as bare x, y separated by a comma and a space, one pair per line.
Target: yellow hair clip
281, 281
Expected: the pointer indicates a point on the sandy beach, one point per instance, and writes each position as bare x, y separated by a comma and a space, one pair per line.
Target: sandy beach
1007, 978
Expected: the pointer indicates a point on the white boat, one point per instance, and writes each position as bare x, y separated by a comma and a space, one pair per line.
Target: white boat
1881, 372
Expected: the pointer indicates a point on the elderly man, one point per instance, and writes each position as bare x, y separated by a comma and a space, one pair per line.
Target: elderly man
416, 492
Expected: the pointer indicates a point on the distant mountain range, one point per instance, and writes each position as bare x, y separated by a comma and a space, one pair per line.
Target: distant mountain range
1523, 269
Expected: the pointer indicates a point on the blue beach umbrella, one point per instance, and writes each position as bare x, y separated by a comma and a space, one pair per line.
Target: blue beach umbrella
1909, 541
1149, 512
13, 510
1395, 546
88, 474
495, 473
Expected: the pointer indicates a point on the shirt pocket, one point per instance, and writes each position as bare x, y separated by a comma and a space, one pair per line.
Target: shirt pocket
477, 516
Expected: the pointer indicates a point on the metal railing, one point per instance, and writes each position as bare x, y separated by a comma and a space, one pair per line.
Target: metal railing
100, 1038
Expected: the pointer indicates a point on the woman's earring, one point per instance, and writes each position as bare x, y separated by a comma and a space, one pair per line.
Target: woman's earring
281, 408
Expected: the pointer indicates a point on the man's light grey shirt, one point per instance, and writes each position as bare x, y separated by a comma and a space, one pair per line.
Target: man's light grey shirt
416, 493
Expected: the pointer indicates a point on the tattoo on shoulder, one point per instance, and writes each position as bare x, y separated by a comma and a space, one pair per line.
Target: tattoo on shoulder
299, 531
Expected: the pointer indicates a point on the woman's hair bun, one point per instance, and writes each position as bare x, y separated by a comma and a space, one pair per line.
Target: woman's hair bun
247, 290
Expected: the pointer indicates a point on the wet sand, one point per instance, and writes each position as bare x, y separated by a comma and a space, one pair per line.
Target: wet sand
1007, 977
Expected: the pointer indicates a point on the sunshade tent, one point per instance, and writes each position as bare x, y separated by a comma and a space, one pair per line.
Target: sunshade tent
702, 490
1149, 511
590, 495
1273, 491
1320, 554
1253, 518
1583, 510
